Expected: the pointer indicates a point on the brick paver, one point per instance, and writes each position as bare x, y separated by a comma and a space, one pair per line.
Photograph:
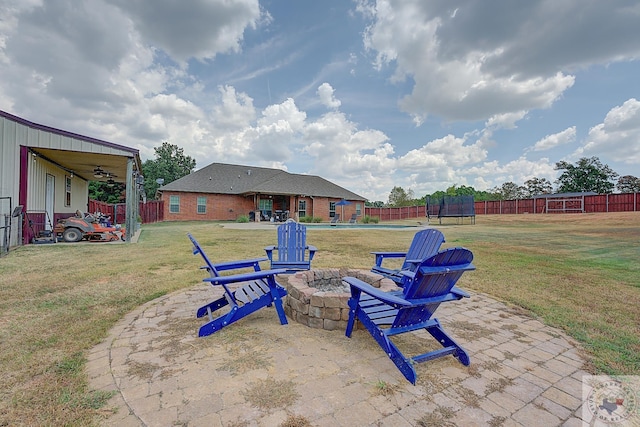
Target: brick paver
258, 372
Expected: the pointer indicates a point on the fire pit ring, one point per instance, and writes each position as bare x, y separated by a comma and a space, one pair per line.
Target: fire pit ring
318, 298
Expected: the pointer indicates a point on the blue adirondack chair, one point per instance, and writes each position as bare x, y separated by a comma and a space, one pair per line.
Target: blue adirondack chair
411, 309
425, 244
258, 289
292, 248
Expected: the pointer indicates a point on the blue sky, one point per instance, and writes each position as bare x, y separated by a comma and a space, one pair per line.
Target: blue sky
420, 94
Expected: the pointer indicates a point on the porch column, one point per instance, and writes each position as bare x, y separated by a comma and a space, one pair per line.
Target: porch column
130, 211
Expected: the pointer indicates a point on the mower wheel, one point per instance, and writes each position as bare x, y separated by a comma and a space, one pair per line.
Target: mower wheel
71, 235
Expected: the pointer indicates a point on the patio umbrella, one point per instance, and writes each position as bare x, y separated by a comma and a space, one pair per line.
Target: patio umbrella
342, 204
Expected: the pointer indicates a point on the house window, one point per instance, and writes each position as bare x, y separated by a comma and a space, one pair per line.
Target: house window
358, 209
332, 209
302, 208
266, 208
174, 204
202, 205
67, 188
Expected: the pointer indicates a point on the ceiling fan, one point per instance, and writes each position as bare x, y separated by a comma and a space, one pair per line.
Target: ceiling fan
98, 172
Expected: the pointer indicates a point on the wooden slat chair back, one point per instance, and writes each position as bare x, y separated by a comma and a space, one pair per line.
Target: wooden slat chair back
255, 290
425, 243
387, 314
292, 248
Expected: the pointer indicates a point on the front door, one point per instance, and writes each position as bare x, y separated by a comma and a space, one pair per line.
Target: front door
49, 201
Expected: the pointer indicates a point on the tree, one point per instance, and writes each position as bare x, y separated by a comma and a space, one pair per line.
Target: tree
509, 191
588, 174
628, 184
170, 164
107, 193
400, 197
536, 186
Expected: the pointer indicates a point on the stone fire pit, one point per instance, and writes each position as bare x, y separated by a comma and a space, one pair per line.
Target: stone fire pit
318, 298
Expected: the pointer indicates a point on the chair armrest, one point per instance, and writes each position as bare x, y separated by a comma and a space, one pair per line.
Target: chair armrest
234, 265
244, 277
447, 268
385, 297
382, 255
269, 250
456, 290
312, 251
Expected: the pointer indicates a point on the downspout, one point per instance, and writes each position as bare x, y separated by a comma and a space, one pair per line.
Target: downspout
313, 207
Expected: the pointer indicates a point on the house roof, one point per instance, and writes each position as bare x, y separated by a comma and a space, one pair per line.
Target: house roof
221, 178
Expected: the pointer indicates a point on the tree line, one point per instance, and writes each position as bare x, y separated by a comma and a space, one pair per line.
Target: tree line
587, 175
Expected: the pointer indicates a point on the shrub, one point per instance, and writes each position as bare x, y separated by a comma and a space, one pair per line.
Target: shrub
370, 219
309, 218
243, 218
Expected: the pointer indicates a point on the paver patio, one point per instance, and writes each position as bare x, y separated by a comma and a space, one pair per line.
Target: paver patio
257, 372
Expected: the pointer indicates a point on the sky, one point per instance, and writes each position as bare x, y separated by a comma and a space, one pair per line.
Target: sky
420, 94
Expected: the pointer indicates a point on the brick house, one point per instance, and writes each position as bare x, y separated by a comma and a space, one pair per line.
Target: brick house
224, 192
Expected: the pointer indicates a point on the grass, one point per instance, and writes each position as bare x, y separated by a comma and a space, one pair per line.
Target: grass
578, 273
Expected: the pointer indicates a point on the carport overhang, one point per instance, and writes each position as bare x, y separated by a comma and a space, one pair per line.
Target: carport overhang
84, 164
123, 166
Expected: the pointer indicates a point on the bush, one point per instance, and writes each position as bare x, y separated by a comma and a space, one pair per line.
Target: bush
243, 218
310, 219
370, 219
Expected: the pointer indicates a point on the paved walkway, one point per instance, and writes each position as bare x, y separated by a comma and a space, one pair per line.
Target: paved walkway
259, 373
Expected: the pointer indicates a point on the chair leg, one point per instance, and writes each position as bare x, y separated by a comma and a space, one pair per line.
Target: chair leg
217, 324
443, 338
402, 363
353, 307
211, 307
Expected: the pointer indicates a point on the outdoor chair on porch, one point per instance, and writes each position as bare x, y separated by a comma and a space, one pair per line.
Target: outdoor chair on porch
425, 244
411, 309
254, 291
292, 248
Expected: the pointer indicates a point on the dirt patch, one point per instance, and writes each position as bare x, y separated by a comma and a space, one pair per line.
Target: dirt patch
270, 394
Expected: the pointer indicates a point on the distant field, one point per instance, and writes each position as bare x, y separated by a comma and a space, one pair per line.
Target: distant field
577, 272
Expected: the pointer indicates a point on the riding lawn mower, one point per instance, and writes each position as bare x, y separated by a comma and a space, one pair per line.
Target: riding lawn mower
94, 228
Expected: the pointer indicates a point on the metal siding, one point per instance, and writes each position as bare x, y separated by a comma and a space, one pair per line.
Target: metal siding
30, 137
10, 169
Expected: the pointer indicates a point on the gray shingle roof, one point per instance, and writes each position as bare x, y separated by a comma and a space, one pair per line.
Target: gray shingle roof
224, 178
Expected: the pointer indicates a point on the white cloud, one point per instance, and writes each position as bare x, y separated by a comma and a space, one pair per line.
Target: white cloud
325, 92
551, 141
200, 30
618, 137
505, 121
473, 61
236, 111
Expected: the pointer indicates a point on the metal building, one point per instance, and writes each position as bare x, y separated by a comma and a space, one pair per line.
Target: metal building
47, 171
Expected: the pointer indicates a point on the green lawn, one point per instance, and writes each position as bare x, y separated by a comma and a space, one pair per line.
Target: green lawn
577, 272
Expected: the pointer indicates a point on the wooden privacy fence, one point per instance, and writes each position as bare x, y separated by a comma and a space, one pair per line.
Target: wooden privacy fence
626, 202
598, 203
394, 214
151, 211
